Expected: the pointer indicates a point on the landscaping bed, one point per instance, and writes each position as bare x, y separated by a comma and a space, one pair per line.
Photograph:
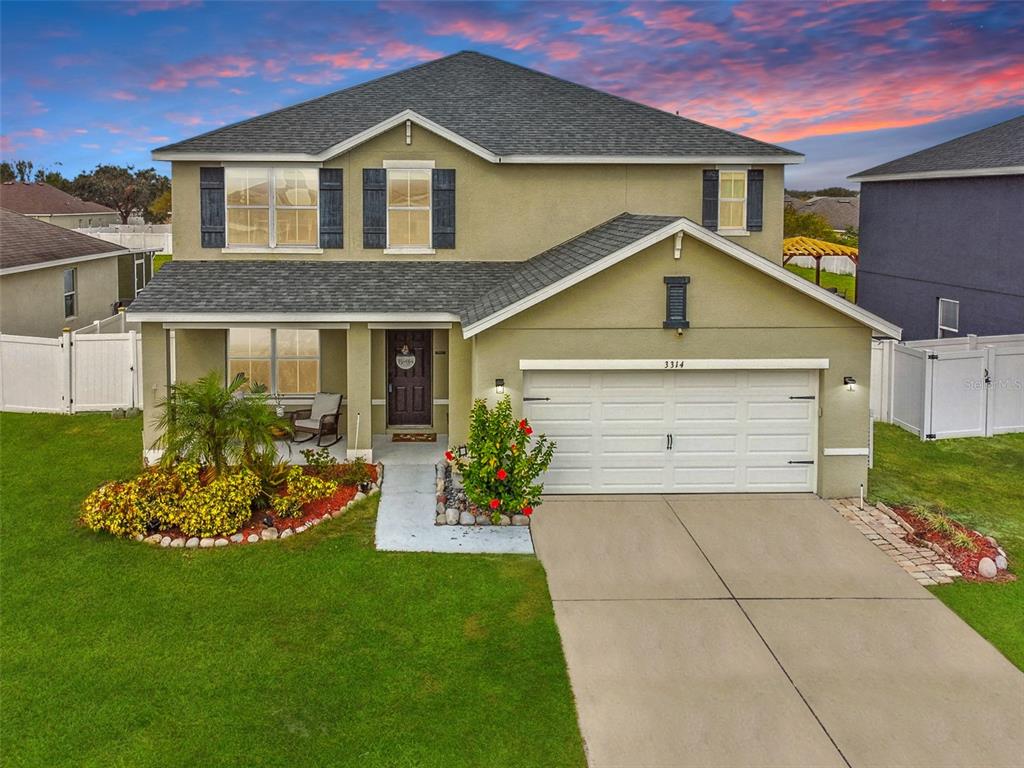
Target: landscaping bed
455, 508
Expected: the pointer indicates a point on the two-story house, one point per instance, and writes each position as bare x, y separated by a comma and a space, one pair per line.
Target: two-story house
469, 228
940, 237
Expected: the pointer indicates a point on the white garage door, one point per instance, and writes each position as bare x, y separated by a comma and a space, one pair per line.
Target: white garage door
676, 431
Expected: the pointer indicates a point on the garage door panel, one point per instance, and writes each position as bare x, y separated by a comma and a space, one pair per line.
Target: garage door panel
732, 431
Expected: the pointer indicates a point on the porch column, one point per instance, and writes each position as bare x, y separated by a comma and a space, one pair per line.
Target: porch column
155, 377
460, 385
359, 432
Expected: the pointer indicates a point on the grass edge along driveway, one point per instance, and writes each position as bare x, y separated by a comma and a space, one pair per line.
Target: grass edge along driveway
317, 650
981, 482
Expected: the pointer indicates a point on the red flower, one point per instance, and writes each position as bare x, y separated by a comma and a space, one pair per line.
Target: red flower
449, 455
495, 503
528, 430
527, 511
502, 474
523, 426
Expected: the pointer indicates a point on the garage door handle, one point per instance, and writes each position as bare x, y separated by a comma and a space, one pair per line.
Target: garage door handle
801, 397
668, 442
800, 462
536, 399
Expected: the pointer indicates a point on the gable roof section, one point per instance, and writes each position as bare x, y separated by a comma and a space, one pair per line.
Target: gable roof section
994, 151
504, 112
37, 199
841, 213
27, 244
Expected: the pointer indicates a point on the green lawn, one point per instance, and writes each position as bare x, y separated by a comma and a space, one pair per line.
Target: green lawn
845, 284
981, 480
317, 650
162, 258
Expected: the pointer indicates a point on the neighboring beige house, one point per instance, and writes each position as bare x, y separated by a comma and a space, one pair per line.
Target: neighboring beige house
614, 268
53, 278
47, 203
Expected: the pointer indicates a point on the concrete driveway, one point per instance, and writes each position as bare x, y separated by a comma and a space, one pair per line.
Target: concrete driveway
763, 631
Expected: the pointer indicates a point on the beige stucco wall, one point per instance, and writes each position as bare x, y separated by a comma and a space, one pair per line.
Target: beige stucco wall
734, 312
32, 303
503, 211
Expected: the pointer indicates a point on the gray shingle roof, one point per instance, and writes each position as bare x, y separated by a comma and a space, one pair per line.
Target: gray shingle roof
503, 107
840, 212
28, 242
470, 289
998, 146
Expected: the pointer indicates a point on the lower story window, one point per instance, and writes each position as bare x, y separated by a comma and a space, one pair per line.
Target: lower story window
70, 292
285, 360
949, 317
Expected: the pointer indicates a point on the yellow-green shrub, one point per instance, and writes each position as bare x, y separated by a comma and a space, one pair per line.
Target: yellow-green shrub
131, 507
220, 507
302, 489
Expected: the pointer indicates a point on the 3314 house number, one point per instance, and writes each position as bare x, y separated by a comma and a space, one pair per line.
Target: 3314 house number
674, 363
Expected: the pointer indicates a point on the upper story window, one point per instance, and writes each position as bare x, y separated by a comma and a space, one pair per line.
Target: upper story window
409, 207
732, 200
949, 317
271, 207
70, 292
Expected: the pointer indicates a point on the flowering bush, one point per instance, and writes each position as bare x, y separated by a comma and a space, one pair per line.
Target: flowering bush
134, 506
301, 489
504, 460
219, 507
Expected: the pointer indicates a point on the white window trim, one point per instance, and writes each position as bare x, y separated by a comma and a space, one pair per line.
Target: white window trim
273, 359
409, 165
140, 259
73, 293
939, 319
733, 231
271, 208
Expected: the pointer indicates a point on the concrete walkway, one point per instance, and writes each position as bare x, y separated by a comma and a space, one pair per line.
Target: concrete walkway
763, 631
405, 517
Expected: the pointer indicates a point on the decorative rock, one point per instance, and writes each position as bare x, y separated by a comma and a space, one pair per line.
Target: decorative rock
457, 481
467, 518
165, 541
483, 519
991, 541
154, 539
987, 568
505, 520
451, 516
138, 537
286, 533
440, 507
359, 496
237, 537
192, 543
206, 543
177, 543
252, 538
520, 520
441, 519
304, 528
221, 543
1001, 562
374, 489
269, 533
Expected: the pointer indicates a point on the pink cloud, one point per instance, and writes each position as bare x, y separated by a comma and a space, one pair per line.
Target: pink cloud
562, 50
147, 6
957, 6
396, 50
205, 71
182, 119
124, 96
7, 144
344, 60
485, 31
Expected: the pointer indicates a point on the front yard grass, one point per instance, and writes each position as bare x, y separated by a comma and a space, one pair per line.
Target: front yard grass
317, 650
845, 284
981, 481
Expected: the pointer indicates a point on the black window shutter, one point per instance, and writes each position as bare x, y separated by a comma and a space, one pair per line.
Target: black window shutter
675, 302
331, 209
444, 208
709, 215
211, 207
755, 199
375, 208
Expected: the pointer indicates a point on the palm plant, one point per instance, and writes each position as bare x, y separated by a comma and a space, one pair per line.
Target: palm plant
207, 423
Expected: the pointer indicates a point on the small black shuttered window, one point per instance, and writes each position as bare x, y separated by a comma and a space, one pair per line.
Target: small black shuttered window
211, 208
331, 208
675, 302
376, 208
711, 200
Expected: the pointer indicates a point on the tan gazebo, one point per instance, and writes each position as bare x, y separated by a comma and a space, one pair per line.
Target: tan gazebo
816, 249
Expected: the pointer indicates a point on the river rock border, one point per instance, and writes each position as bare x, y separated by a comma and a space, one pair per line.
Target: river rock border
268, 533
455, 508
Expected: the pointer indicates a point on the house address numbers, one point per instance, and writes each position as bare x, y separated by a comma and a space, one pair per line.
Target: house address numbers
674, 363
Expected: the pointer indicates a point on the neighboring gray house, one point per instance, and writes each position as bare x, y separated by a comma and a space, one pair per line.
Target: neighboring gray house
842, 213
53, 278
47, 203
942, 236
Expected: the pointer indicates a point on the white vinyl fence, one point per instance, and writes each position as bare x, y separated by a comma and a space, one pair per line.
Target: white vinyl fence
957, 387
70, 374
837, 265
138, 237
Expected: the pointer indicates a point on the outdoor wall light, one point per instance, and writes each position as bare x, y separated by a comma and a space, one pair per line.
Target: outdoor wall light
499, 386
850, 382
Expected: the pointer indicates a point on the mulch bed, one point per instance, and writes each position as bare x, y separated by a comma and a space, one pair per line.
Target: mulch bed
965, 560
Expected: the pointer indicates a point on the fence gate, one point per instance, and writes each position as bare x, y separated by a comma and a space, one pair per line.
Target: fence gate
35, 374
103, 372
958, 400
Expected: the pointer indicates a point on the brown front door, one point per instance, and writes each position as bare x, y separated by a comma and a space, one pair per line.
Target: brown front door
409, 393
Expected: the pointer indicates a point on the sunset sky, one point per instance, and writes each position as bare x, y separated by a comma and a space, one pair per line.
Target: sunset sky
849, 83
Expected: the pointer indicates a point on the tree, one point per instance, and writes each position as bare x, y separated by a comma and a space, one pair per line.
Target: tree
160, 209
23, 168
804, 194
124, 189
6, 172
799, 224
54, 178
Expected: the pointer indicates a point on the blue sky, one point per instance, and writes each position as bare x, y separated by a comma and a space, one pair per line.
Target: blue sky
849, 83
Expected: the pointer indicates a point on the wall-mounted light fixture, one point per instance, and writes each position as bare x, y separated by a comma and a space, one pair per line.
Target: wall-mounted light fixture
850, 382
499, 386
